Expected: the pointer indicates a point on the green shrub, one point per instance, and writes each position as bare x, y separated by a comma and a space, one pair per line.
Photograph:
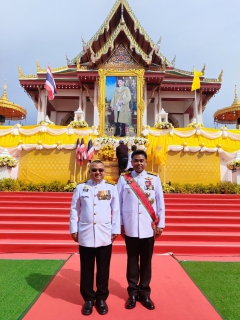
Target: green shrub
224, 187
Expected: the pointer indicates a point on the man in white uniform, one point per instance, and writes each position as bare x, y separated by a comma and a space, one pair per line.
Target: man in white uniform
143, 219
94, 224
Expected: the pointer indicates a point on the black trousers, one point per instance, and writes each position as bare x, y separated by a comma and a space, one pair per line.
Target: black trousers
122, 164
120, 127
88, 255
139, 265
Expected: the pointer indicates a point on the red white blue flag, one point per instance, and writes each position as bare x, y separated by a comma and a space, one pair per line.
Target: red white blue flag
90, 150
81, 152
78, 153
50, 85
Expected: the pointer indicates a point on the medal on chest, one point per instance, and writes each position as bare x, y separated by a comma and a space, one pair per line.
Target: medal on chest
149, 184
104, 195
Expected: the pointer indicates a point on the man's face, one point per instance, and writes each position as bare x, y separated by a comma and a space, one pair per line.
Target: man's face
120, 83
139, 163
97, 172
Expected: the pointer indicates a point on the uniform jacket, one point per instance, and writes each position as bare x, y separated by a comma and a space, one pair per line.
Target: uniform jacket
95, 213
124, 94
134, 216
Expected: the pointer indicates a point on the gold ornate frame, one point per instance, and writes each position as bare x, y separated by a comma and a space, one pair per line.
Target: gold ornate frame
103, 73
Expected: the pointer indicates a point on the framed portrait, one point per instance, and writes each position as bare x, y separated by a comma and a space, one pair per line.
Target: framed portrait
121, 104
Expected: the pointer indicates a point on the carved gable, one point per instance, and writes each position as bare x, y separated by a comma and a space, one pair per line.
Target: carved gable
120, 56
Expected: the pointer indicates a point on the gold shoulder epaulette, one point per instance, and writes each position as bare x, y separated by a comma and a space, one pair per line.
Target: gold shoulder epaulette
111, 182
152, 173
123, 173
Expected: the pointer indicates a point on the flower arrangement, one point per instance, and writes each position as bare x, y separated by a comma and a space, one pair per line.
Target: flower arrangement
195, 125
78, 124
141, 143
233, 164
70, 186
8, 161
163, 125
100, 143
167, 188
107, 153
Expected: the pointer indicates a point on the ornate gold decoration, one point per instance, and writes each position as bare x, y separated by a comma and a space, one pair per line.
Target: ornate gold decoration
10, 110
103, 73
220, 76
110, 44
164, 64
203, 69
20, 73
105, 24
121, 57
78, 64
235, 107
38, 66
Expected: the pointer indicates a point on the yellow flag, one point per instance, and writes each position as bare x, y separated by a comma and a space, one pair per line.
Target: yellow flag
196, 80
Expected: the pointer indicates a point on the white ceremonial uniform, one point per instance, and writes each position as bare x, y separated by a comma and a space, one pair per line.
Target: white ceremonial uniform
134, 216
129, 164
95, 213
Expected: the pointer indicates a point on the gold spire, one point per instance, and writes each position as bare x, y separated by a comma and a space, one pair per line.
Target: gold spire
4, 95
236, 101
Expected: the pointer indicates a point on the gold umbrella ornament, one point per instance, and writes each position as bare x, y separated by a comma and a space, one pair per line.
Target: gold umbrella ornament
10, 110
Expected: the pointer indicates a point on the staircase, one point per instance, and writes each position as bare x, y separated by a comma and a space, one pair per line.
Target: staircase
195, 224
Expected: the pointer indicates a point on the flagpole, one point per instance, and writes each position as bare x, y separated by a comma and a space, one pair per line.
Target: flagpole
75, 167
196, 111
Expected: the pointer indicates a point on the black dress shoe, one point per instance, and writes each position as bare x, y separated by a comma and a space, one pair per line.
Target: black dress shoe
131, 302
102, 307
87, 308
147, 303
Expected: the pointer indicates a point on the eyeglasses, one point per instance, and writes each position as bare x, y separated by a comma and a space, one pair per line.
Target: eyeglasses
95, 170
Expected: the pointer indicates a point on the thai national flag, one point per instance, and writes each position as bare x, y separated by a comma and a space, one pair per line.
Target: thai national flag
50, 85
78, 152
90, 150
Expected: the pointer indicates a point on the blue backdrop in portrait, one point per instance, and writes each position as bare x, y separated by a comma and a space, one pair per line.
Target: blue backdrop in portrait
111, 83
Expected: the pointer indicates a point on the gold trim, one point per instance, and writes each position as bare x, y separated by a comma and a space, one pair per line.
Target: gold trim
103, 73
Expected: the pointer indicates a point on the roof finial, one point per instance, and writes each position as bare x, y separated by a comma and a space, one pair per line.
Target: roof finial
84, 44
173, 61
157, 45
122, 19
203, 69
4, 95
68, 61
220, 76
38, 66
235, 96
20, 73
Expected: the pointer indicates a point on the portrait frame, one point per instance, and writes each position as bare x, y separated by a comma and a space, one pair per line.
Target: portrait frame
103, 73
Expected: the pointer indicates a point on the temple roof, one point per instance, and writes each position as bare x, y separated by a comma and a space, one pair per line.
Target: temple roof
120, 26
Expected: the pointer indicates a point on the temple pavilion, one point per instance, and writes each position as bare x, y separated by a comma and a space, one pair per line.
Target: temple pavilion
120, 44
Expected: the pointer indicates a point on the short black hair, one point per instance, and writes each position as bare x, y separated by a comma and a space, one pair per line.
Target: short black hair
139, 152
134, 148
96, 161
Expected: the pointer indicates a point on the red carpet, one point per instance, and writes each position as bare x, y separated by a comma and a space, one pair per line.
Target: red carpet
195, 224
174, 294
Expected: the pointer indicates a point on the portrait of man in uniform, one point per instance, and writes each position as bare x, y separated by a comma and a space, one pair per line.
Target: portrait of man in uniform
121, 102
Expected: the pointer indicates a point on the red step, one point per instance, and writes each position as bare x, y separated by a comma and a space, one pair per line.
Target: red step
195, 224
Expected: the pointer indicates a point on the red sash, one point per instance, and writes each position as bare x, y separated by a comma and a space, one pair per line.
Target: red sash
142, 197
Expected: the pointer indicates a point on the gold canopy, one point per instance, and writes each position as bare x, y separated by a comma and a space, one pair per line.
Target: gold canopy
10, 110
229, 115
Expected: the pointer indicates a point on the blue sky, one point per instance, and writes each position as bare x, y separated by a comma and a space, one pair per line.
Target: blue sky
197, 32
